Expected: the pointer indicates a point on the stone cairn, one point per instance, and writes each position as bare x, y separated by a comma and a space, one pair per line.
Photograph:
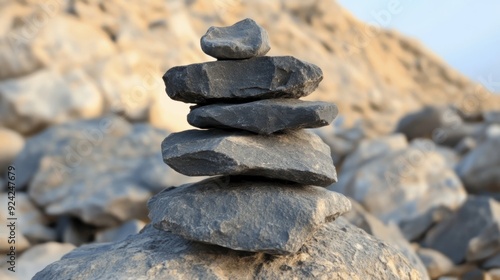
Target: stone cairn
270, 194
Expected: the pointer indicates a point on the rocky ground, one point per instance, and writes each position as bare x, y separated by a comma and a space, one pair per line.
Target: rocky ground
83, 113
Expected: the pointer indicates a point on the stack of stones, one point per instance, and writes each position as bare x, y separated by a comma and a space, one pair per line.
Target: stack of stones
269, 195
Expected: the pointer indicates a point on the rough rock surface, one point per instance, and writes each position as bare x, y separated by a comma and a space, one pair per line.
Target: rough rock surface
406, 184
389, 233
480, 168
451, 237
25, 109
229, 80
298, 156
162, 255
247, 214
264, 116
101, 171
244, 39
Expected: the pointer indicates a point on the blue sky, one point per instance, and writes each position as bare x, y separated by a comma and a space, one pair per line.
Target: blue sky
465, 33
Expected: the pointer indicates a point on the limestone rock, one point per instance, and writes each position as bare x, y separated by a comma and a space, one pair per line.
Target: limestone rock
436, 263
451, 237
31, 103
406, 184
244, 39
256, 214
479, 169
264, 116
389, 233
11, 143
101, 171
271, 77
298, 156
154, 254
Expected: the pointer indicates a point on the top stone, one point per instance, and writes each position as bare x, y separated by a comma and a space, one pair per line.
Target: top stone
244, 39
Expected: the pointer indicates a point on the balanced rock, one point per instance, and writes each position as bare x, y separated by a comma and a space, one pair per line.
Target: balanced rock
336, 251
264, 116
242, 80
244, 39
297, 156
249, 214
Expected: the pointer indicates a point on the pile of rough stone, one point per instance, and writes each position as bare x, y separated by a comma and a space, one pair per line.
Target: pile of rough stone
269, 198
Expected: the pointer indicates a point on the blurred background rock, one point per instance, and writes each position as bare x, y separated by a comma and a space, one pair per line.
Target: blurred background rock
83, 111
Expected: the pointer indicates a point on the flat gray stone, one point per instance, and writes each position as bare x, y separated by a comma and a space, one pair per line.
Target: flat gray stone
264, 116
297, 156
244, 39
247, 214
451, 237
242, 80
336, 251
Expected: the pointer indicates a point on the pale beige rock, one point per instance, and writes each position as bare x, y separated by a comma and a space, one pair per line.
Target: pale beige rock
11, 143
46, 97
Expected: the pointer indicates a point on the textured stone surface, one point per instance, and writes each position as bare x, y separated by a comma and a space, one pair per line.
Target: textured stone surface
389, 233
264, 116
44, 98
480, 168
101, 171
271, 77
451, 237
244, 39
297, 156
155, 254
406, 184
248, 214
436, 263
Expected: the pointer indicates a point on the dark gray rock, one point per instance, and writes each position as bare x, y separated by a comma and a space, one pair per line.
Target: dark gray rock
264, 116
242, 80
244, 39
121, 232
248, 214
480, 168
298, 156
492, 117
336, 251
427, 123
486, 244
436, 263
451, 237
492, 262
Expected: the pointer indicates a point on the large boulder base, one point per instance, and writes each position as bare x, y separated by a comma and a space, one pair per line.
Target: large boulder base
264, 116
248, 214
336, 251
297, 156
242, 80
244, 39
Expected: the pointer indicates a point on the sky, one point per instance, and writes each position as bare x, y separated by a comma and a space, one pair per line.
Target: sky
465, 33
